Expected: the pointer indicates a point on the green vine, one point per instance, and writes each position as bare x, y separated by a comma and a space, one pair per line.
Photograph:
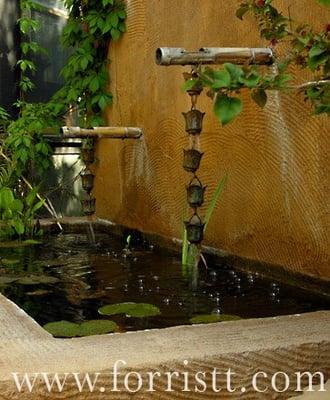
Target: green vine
91, 26
24, 153
307, 50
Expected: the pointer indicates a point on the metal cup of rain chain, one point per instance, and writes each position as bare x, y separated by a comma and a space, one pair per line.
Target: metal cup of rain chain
197, 88
195, 193
191, 160
88, 205
87, 179
195, 229
194, 121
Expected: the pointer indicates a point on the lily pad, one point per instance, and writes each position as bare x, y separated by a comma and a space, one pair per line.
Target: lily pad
138, 310
62, 329
211, 318
18, 244
37, 280
66, 329
97, 327
6, 280
9, 262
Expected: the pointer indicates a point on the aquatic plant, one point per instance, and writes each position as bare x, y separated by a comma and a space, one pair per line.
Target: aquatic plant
191, 253
66, 329
211, 318
137, 310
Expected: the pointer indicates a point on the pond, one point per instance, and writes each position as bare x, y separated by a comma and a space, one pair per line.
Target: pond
66, 278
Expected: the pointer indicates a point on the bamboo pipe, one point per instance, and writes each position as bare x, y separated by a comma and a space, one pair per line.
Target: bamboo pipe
214, 55
105, 132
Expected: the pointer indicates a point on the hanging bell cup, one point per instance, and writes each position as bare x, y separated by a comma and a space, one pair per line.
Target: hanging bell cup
194, 121
191, 160
195, 229
87, 179
195, 193
88, 205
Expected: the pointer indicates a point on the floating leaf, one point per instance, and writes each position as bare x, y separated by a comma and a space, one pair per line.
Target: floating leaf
66, 329
211, 318
138, 310
37, 280
97, 327
6, 280
18, 244
9, 262
62, 329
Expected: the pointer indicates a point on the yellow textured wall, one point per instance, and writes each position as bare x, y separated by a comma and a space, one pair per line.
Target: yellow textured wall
275, 207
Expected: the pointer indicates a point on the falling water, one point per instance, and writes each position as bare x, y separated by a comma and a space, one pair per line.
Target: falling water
286, 151
91, 233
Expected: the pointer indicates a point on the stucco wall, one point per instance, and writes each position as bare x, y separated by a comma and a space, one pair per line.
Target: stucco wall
275, 207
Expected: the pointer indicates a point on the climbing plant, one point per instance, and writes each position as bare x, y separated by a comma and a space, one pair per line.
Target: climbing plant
305, 48
91, 26
24, 153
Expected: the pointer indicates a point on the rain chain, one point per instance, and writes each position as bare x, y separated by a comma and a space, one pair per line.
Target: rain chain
191, 162
87, 179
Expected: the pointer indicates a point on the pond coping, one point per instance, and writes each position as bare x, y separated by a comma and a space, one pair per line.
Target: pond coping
287, 343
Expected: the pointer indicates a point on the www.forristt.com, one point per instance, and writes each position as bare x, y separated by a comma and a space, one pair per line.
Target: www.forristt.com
200, 381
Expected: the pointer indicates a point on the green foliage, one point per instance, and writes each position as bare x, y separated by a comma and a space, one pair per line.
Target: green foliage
66, 329
307, 49
25, 141
16, 214
137, 310
90, 28
325, 3
27, 26
211, 318
227, 108
24, 151
214, 201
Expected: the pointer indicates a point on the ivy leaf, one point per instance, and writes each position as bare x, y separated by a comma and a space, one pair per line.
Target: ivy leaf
242, 11
114, 20
227, 108
317, 56
115, 34
189, 84
250, 81
122, 14
260, 97
234, 71
221, 79
94, 84
316, 51
325, 3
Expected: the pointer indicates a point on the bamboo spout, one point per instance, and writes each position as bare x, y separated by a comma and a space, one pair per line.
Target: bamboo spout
214, 55
105, 132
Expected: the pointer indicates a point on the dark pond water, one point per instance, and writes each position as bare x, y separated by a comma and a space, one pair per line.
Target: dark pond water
89, 277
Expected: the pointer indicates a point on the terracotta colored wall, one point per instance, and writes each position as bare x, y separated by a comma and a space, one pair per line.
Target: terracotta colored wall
276, 204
